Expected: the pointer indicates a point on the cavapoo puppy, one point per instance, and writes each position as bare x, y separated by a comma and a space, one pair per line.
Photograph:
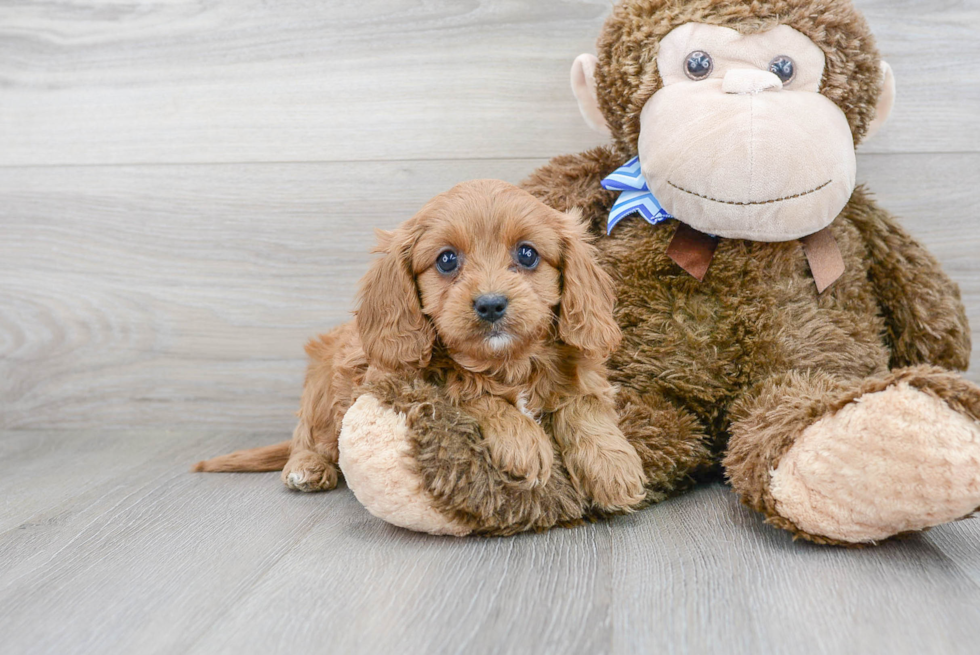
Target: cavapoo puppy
496, 298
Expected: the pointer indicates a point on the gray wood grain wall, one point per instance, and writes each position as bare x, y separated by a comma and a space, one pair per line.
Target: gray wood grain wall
188, 189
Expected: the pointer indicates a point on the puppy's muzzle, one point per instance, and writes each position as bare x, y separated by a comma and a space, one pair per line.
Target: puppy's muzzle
490, 307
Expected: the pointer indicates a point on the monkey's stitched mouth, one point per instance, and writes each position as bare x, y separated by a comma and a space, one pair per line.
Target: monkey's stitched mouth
758, 202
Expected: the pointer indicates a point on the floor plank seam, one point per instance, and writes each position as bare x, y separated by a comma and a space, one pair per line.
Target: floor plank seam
952, 560
242, 594
404, 160
93, 522
461, 647
156, 454
274, 162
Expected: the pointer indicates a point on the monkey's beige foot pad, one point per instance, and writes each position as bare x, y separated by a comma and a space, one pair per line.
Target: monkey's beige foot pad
377, 465
894, 461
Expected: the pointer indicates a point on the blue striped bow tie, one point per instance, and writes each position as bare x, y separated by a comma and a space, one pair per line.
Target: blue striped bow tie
693, 250
636, 197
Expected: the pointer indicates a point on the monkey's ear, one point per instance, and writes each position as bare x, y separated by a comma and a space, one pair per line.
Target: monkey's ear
583, 86
393, 330
885, 101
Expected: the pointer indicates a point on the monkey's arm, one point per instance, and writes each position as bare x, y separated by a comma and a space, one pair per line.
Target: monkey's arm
925, 319
574, 181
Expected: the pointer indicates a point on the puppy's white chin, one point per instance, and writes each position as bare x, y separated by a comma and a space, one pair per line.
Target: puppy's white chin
499, 342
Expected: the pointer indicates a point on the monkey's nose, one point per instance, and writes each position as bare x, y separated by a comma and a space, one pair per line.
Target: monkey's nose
490, 307
750, 81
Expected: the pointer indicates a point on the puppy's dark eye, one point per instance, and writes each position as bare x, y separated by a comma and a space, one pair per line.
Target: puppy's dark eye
527, 256
783, 68
447, 261
698, 65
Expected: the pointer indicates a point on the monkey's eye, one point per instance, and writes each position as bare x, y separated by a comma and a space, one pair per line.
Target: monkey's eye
783, 68
447, 261
698, 65
527, 256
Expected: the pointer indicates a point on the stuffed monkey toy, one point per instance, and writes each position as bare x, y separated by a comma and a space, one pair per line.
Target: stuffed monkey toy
779, 327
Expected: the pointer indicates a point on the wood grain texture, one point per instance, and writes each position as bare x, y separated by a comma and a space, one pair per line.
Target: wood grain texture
748, 588
233, 81
151, 559
181, 296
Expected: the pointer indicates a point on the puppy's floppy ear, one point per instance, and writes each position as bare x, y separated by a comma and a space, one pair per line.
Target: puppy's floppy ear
586, 318
393, 330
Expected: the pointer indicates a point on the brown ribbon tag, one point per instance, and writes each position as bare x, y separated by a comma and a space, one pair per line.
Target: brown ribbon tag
823, 254
693, 251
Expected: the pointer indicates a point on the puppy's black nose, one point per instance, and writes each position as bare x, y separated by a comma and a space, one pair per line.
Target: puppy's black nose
490, 307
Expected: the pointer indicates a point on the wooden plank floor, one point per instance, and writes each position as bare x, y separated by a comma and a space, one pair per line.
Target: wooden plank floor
108, 545
188, 191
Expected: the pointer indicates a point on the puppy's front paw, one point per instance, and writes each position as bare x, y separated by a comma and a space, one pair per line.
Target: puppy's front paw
613, 478
525, 454
308, 471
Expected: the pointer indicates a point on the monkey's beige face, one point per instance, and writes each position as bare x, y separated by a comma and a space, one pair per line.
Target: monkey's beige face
739, 142
488, 275
738, 139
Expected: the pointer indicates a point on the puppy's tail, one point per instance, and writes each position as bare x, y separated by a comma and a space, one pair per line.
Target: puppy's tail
265, 458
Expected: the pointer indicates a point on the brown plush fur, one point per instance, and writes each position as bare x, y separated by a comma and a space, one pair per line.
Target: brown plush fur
538, 373
756, 324
742, 362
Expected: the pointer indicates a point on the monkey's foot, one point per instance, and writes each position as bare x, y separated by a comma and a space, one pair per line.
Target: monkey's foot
378, 467
893, 461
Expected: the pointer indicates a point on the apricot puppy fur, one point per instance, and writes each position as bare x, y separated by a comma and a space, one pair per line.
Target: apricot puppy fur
496, 298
